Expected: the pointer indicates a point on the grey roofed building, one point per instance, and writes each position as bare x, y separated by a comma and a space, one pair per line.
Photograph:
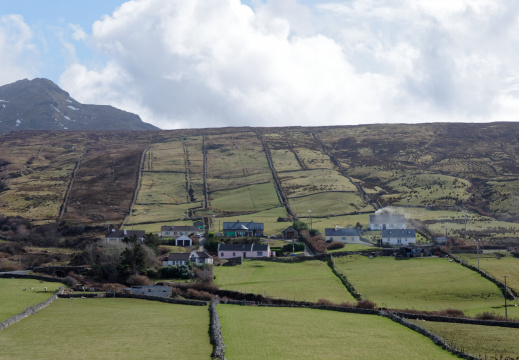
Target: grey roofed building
178, 256
399, 232
155, 290
114, 236
341, 232
388, 221
240, 228
174, 230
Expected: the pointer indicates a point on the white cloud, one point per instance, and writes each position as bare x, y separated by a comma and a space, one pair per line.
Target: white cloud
78, 33
19, 55
202, 63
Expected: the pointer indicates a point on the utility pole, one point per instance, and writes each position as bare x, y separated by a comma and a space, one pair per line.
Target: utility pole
506, 293
310, 218
477, 247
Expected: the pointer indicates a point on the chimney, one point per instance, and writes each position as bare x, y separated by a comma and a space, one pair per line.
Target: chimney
336, 227
124, 231
113, 230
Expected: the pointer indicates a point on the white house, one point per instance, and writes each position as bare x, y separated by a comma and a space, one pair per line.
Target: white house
175, 259
160, 291
228, 251
115, 236
398, 236
176, 231
183, 240
389, 221
345, 235
200, 257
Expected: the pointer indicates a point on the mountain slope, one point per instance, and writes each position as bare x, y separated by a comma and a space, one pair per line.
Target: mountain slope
40, 104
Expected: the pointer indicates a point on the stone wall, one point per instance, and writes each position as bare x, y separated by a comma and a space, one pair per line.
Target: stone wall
216, 332
30, 310
30, 276
156, 298
344, 279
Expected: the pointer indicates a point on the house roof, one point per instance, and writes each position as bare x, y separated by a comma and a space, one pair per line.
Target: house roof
121, 234
179, 228
202, 254
290, 228
234, 247
179, 256
387, 219
260, 247
246, 225
183, 237
402, 233
341, 232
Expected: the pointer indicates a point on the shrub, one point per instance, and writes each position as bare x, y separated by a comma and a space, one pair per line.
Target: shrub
298, 247
365, 304
314, 232
114, 287
70, 281
334, 245
137, 279
325, 302
489, 316
451, 313
202, 295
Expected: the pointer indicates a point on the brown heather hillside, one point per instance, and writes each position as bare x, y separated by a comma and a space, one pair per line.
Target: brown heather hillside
438, 174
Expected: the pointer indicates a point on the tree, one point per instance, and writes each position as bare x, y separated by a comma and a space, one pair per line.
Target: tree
152, 240
300, 225
358, 225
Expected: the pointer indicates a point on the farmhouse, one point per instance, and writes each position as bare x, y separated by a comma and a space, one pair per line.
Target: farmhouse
200, 257
160, 291
183, 240
389, 221
398, 236
289, 233
175, 231
175, 259
243, 229
228, 251
346, 235
115, 236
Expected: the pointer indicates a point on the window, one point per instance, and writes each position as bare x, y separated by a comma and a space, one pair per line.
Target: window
233, 254
175, 233
167, 232
260, 253
399, 241
344, 238
221, 254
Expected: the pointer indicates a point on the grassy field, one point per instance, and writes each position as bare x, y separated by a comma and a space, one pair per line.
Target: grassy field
13, 300
496, 266
356, 247
423, 284
297, 183
329, 204
162, 188
110, 329
306, 281
483, 341
248, 198
258, 333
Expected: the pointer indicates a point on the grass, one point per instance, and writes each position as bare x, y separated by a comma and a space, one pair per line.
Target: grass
483, 341
162, 188
490, 263
297, 183
110, 329
257, 333
356, 247
284, 160
423, 284
159, 213
268, 217
329, 203
249, 198
306, 281
14, 300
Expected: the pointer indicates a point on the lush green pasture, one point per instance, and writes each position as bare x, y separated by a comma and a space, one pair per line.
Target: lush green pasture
167, 156
225, 182
344, 221
305, 281
14, 300
159, 213
482, 341
496, 267
110, 329
248, 198
329, 204
422, 284
297, 183
283, 333
162, 188
356, 247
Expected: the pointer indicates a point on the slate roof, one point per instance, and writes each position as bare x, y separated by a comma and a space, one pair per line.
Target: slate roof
179, 256
238, 225
203, 254
387, 219
184, 237
193, 229
403, 233
341, 232
121, 235
242, 247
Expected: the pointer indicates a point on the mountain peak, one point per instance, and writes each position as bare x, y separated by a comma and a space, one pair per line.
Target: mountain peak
40, 104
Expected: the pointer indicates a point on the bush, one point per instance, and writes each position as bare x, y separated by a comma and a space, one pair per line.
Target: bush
201, 295
139, 280
70, 281
175, 272
314, 232
366, 304
325, 302
298, 247
451, 313
490, 316
334, 245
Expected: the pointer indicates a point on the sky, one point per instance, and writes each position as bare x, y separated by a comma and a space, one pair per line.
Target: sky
216, 63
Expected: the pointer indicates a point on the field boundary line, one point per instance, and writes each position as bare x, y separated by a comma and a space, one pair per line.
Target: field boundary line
216, 332
344, 279
63, 207
138, 183
31, 310
204, 157
279, 189
508, 292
